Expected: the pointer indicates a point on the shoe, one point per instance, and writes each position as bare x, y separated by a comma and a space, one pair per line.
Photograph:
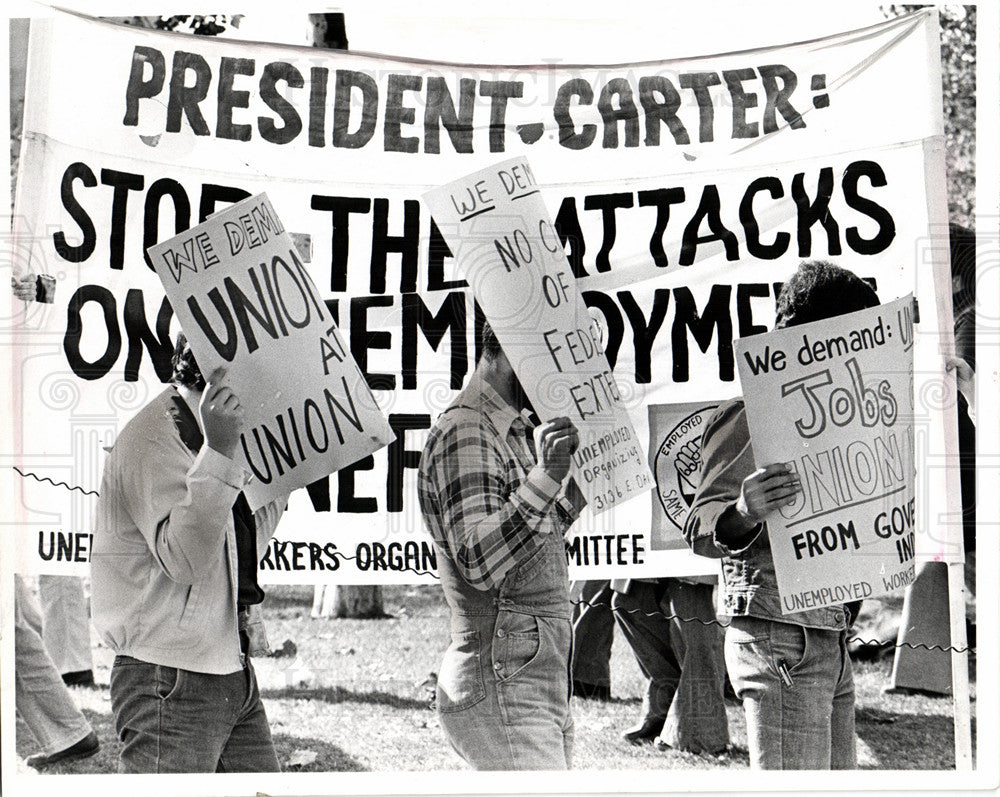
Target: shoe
660, 744
647, 729
591, 691
79, 678
84, 748
912, 691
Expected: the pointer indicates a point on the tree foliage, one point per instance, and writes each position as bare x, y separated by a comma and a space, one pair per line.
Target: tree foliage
198, 24
958, 79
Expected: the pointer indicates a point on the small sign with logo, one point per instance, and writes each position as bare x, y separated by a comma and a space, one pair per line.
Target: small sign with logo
675, 459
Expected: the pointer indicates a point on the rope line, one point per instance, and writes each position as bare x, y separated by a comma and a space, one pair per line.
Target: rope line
345, 557
338, 554
859, 640
26, 474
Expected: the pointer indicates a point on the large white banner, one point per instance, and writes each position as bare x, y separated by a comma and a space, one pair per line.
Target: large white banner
683, 193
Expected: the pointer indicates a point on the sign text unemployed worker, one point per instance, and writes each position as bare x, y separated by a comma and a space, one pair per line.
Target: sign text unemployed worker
509, 252
834, 400
245, 302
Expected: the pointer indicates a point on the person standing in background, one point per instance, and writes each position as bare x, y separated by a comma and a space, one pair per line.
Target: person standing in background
593, 636
40, 696
671, 626
67, 627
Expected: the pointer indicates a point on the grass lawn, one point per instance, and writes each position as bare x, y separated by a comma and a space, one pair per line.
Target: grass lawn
355, 698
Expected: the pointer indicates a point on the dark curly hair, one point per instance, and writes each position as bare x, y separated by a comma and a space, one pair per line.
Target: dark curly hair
818, 290
490, 346
186, 370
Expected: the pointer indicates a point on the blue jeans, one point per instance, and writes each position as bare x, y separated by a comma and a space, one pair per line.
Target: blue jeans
173, 720
40, 696
67, 622
503, 693
797, 690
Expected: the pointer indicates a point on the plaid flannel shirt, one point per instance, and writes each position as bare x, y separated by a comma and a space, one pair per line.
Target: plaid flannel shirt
485, 501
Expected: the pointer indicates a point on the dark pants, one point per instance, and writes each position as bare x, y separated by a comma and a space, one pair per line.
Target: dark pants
672, 630
173, 720
593, 634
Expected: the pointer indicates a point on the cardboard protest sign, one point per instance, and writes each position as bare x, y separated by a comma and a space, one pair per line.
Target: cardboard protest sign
834, 400
246, 303
508, 250
675, 458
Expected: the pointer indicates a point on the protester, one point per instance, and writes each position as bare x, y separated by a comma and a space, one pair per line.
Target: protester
66, 626
174, 583
40, 696
593, 635
791, 671
677, 641
497, 514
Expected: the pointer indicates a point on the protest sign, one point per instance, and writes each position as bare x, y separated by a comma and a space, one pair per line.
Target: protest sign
508, 250
247, 304
834, 400
675, 457
682, 191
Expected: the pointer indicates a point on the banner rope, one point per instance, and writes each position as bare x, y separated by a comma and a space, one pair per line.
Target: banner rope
859, 640
345, 557
27, 474
435, 576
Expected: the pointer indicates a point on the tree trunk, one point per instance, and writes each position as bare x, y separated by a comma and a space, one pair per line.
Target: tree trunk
359, 602
330, 32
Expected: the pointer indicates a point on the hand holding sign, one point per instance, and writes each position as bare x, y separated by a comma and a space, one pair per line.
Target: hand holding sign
765, 490
556, 441
221, 415
24, 287
296, 406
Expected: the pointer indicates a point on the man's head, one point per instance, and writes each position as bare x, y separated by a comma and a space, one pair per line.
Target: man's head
499, 371
186, 370
821, 290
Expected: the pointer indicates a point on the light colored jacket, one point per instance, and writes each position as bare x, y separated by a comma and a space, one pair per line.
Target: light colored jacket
163, 563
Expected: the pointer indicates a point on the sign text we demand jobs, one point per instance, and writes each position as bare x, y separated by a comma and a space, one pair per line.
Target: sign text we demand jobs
834, 400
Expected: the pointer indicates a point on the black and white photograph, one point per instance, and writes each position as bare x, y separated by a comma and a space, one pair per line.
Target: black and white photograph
514, 398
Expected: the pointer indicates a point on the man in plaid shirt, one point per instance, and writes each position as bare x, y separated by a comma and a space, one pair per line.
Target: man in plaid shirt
498, 513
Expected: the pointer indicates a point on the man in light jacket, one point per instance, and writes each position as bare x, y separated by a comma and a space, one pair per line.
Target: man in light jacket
174, 588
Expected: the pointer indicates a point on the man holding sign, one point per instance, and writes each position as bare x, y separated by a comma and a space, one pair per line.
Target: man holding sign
791, 671
174, 582
497, 512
